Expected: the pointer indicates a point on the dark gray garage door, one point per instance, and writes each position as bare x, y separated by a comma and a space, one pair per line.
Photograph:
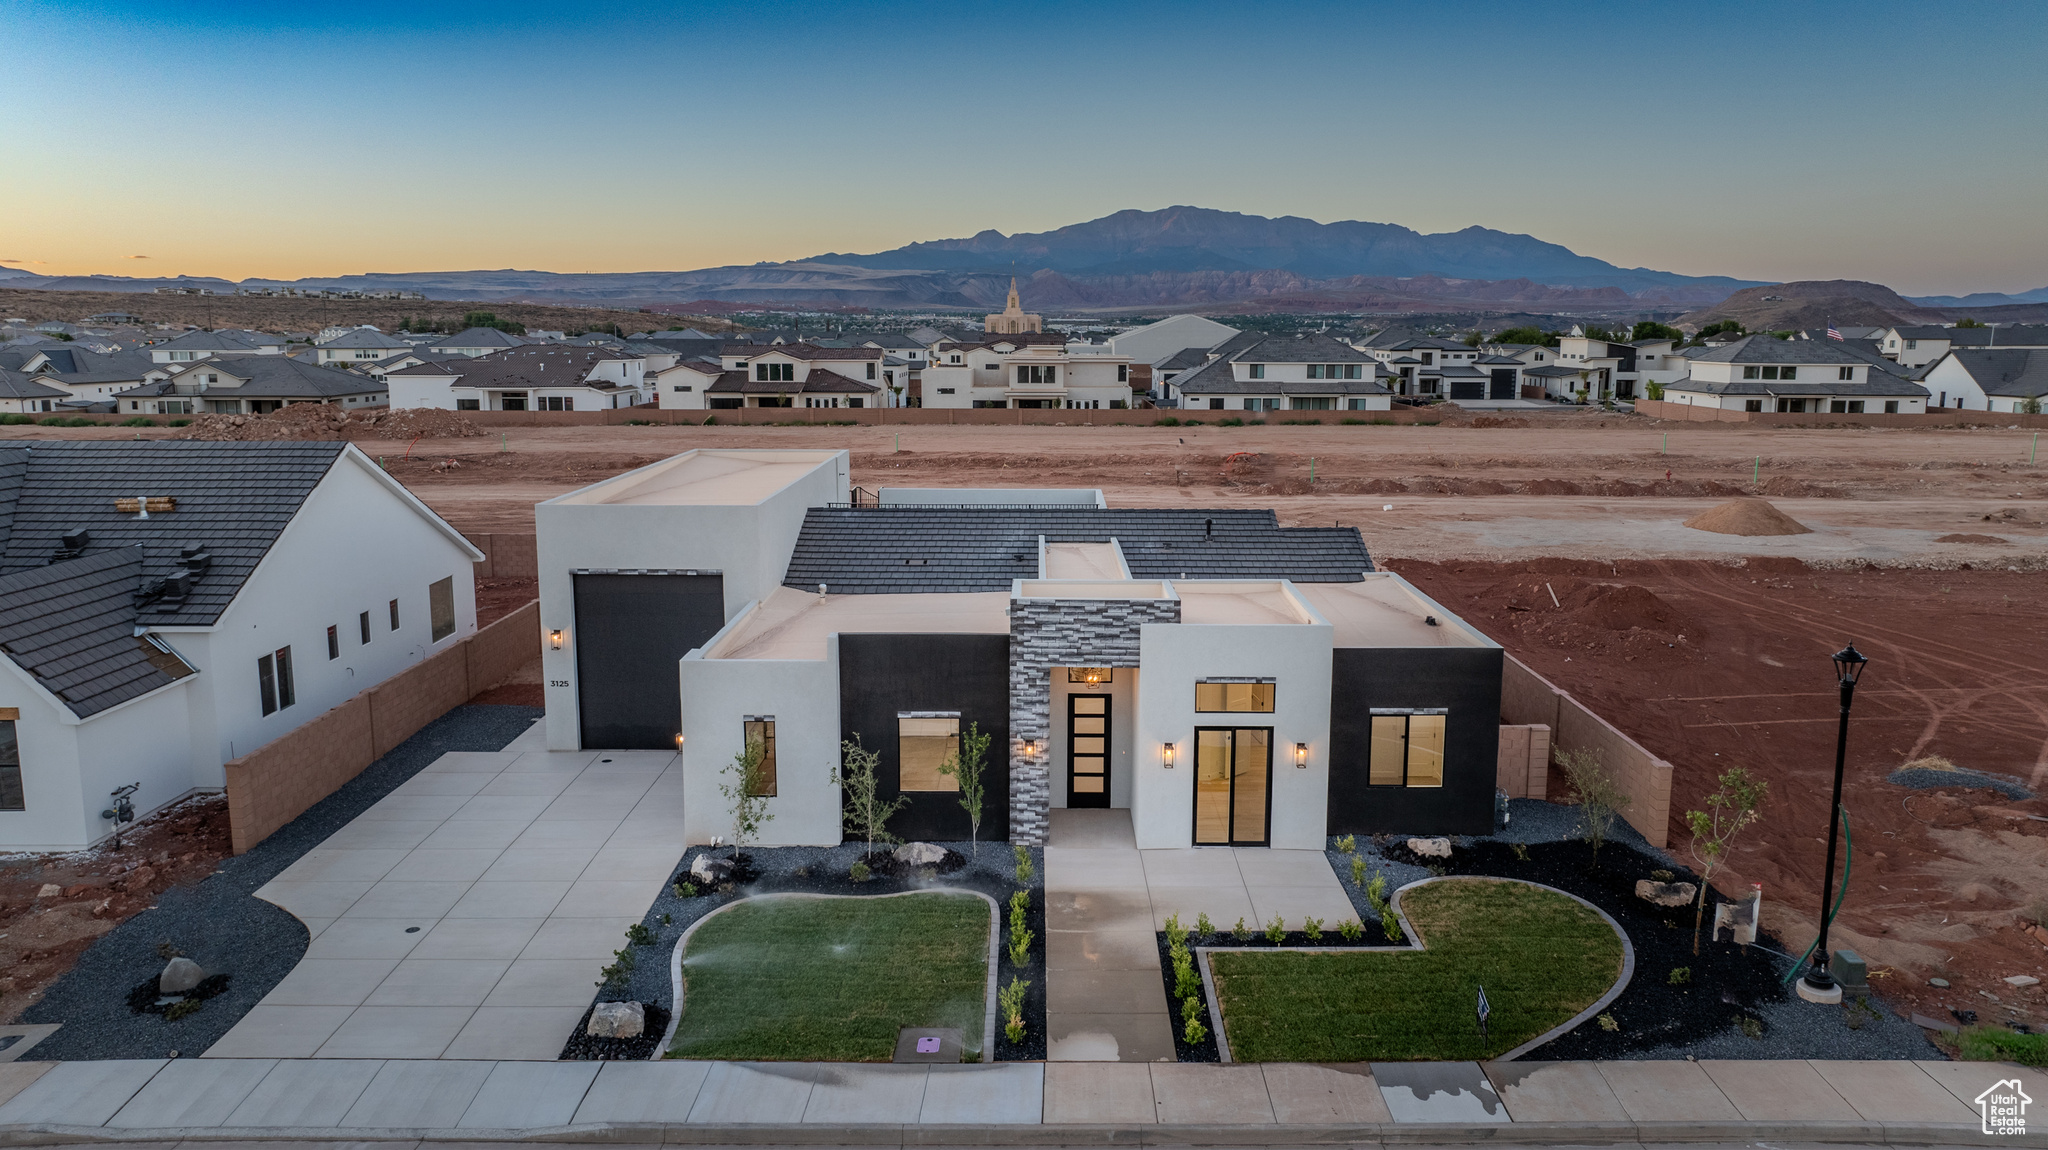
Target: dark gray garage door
630, 632
1503, 383
1468, 389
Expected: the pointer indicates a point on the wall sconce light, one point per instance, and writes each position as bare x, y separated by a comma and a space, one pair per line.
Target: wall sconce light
555, 638
679, 740
1166, 755
1301, 755
1030, 748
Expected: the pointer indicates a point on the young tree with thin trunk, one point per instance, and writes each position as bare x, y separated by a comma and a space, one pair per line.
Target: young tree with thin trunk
1596, 794
1729, 811
745, 789
866, 812
968, 766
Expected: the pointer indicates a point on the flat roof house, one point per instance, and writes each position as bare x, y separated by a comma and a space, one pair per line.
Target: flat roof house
1228, 680
167, 606
1765, 373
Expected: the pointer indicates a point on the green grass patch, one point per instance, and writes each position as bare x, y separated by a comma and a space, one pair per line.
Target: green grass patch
1997, 1044
833, 978
1541, 956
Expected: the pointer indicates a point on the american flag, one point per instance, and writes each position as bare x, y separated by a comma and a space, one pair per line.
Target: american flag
1833, 332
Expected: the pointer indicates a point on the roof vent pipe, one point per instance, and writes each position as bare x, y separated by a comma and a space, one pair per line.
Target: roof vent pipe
1208, 527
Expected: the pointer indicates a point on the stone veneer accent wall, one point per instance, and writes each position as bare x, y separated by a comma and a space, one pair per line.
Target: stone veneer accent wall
1048, 633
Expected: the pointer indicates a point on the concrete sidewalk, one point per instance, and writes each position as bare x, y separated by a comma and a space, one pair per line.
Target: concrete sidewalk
1010, 1103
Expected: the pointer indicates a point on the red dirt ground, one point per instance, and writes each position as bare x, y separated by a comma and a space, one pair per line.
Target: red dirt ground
1712, 665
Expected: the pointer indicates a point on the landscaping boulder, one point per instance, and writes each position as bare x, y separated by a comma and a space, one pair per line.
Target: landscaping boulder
710, 871
1436, 848
180, 975
920, 854
617, 1020
1666, 893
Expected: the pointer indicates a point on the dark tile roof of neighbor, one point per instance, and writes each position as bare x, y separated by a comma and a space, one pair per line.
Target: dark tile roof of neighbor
2002, 336
2013, 371
1771, 349
14, 385
481, 337
233, 499
899, 550
523, 367
71, 625
266, 377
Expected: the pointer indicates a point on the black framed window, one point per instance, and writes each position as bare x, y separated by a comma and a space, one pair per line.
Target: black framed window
1407, 748
12, 797
364, 621
924, 742
266, 682
761, 728
333, 643
1237, 696
394, 614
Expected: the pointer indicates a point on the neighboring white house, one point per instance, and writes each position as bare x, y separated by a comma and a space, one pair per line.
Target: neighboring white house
685, 385
167, 606
1922, 345
20, 395
1251, 372
528, 378
1990, 379
1028, 371
1768, 374
246, 385
1155, 342
1427, 365
88, 378
198, 345
777, 375
478, 341
358, 347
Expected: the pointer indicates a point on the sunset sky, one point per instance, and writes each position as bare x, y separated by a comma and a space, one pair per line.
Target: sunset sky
1903, 143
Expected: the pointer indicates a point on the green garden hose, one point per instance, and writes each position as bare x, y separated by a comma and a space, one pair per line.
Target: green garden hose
1848, 860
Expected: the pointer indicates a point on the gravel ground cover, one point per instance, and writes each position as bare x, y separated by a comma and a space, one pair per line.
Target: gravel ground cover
219, 924
1729, 1002
824, 870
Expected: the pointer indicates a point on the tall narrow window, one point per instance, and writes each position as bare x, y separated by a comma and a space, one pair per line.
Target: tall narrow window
441, 607
761, 729
286, 693
266, 682
12, 797
1407, 749
1240, 696
364, 620
924, 741
394, 614
334, 643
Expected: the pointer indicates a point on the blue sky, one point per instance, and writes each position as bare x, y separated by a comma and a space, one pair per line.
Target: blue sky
1897, 142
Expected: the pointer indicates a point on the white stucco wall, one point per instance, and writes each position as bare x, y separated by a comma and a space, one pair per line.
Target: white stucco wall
803, 696
69, 767
1172, 657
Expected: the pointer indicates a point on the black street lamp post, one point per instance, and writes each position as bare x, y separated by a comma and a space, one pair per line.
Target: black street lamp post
1849, 664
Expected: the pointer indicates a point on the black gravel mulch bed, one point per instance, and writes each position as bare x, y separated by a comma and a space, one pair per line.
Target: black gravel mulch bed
147, 999
249, 944
824, 870
1206, 1050
583, 1048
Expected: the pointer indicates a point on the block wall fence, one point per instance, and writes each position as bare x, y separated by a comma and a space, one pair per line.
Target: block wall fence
1527, 698
282, 779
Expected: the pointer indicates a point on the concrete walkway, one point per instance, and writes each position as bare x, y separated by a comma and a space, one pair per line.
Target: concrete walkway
1871, 1102
1105, 899
465, 915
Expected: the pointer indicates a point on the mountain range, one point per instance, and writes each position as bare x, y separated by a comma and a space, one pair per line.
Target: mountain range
1183, 258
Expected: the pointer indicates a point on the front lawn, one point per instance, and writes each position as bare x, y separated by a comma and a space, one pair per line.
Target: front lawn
1542, 958
831, 979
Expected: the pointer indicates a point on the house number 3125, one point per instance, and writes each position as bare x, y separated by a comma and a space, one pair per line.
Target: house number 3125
558, 682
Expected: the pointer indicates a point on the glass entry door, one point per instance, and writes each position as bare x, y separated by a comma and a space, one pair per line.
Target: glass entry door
1233, 772
1088, 750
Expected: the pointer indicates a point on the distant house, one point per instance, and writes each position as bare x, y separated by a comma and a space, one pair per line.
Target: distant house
166, 607
1766, 374
359, 346
1253, 372
197, 345
247, 385
1158, 341
1430, 366
478, 341
1918, 346
21, 395
684, 385
527, 378
88, 378
1038, 370
123, 318
777, 375
1990, 379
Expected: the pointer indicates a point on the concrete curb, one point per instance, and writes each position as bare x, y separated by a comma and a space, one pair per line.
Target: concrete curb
822, 1134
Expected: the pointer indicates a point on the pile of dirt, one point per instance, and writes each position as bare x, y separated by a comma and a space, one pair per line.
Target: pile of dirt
1747, 516
296, 421
419, 423
1967, 538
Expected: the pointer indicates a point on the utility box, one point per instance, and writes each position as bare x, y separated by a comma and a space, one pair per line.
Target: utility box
1851, 972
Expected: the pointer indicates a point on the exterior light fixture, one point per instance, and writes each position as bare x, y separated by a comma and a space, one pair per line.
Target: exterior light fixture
679, 740
1819, 985
1030, 748
1166, 755
555, 638
1094, 677
1301, 755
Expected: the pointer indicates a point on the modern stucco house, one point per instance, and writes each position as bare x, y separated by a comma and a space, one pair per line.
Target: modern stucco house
1226, 679
167, 606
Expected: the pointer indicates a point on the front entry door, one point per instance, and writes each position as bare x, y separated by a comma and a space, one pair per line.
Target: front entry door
1088, 750
1233, 771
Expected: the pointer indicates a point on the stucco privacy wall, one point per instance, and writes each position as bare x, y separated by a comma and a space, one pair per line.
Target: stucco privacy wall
1526, 697
279, 781
1048, 633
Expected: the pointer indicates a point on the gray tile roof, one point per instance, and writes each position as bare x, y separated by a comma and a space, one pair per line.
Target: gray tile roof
959, 549
2003, 336
1880, 385
71, 625
1771, 349
1304, 348
1218, 378
1400, 336
365, 337
15, 385
233, 500
264, 377
2011, 371
544, 365
1184, 359
481, 337
221, 341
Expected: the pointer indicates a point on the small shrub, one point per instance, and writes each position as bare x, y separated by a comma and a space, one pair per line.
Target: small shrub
1390, 924
11, 419
1607, 1023
179, 423
1376, 891
639, 935
1233, 421
619, 970
686, 890
1997, 1044
1025, 870
1276, 931
1186, 982
1662, 875
1011, 1000
1520, 851
1437, 870
1020, 935
639, 423
858, 872
1351, 930
1176, 934
1166, 421
1240, 932
1679, 976
181, 1008
1357, 870
1313, 928
666, 920
1193, 1032
1203, 926
1750, 1027
1348, 844
138, 421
